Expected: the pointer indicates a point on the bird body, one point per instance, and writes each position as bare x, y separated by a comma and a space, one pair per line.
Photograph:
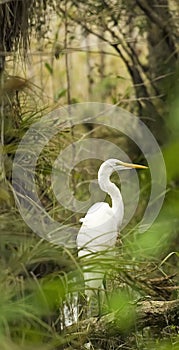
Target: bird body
100, 227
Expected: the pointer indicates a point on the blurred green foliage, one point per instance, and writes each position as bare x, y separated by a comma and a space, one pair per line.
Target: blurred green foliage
41, 285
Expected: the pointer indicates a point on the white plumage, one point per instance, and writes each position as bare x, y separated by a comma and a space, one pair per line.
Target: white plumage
100, 226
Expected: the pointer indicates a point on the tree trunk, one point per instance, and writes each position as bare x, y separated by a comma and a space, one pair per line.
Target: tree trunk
157, 314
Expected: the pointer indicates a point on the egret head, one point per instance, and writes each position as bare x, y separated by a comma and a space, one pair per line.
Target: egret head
116, 164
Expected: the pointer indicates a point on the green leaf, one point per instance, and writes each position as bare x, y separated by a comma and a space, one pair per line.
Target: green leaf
49, 68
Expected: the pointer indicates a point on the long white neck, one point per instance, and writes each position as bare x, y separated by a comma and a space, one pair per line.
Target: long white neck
107, 186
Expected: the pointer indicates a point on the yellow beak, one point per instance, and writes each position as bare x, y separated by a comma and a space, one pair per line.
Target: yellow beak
136, 166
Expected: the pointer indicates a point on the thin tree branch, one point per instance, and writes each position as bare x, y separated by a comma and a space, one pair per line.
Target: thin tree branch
155, 18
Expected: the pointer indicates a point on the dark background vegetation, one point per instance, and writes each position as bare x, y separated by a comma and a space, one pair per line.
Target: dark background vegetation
56, 52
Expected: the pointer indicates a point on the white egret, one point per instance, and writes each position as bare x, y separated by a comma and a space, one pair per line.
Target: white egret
100, 227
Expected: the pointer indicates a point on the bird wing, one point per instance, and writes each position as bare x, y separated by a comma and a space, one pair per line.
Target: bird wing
99, 229
96, 209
